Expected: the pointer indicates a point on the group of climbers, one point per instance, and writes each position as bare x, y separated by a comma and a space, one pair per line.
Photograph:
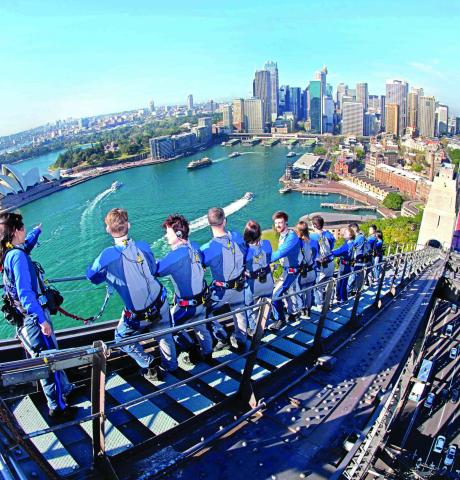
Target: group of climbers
240, 267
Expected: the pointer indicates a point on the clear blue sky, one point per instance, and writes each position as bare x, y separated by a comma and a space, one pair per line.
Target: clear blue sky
76, 58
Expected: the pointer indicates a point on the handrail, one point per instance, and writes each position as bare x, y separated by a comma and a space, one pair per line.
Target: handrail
61, 359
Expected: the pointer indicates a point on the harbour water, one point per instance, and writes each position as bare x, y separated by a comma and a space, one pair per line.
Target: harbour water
74, 232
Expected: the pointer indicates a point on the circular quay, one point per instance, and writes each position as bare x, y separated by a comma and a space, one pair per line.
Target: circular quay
229, 240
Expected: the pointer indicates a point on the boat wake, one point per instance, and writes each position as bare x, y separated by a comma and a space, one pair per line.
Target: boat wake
161, 247
93, 204
218, 160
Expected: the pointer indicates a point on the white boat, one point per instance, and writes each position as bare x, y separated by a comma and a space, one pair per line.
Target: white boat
116, 185
234, 154
248, 196
285, 190
291, 154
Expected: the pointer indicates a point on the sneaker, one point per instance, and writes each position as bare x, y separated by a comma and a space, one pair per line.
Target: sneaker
293, 316
274, 327
63, 414
67, 397
251, 331
155, 374
220, 345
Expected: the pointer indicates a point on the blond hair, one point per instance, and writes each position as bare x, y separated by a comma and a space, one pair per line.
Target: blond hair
117, 222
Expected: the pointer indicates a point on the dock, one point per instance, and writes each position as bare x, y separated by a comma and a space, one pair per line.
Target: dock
272, 142
321, 194
250, 142
347, 207
232, 142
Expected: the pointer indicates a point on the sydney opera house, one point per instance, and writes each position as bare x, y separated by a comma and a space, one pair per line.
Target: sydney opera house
17, 188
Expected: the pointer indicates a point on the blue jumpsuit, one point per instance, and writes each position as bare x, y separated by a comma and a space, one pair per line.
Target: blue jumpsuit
225, 256
307, 257
369, 252
378, 257
344, 253
324, 261
21, 282
258, 261
130, 268
356, 280
288, 255
184, 266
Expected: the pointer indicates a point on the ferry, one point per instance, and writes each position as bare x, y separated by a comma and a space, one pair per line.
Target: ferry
286, 189
204, 162
234, 154
291, 154
248, 196
116, 185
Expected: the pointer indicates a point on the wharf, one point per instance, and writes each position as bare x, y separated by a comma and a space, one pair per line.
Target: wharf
347, 208
271, 143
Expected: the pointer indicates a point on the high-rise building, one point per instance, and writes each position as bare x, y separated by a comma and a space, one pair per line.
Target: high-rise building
295, 102
152, 105
427, 108
238, 114
392, 118
262, 89
227, 119
190, 102
284, 99
254, 121
373, 105
412, 110
396, 93
204, 130
442, 112
315, 106
457, 125
382, 111
352, 118
341, 91
272, 67
371, 124
328, 117
362, 95
162, 147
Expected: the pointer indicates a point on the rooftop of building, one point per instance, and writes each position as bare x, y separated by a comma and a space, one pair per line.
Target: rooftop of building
402, 173
307, 161
331, 218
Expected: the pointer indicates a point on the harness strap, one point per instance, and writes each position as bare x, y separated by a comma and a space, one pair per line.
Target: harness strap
86, 321
199, 299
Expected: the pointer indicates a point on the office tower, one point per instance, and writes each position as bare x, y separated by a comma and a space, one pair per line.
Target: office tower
328, 117
412, 110
303, 104
396, 93
346, 98
190, 102
362, 95
295, 102
254, 120
152, 105
427, 109
442, 112
352, 118
262, 89
341, 91
284, 99
382, 111
228, 117
373, 104
238, 114
371, 124
392, 118
457, 125
315, 105
272, 67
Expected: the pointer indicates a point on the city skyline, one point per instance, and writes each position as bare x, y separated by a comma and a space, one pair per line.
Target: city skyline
67, 62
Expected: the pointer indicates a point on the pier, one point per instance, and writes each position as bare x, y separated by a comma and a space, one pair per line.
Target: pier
271, 143
348, 208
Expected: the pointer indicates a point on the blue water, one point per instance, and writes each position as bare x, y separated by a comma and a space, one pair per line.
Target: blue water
74, 232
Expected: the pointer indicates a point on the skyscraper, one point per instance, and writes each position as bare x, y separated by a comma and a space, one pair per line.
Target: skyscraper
412, 110
342, 90
152, 105
392, 118
315, 105
396, 93
238, 114
443, 119
254, 115
427, 107
362, 95
295, 101
382, 111
284, 99
373, 104
190, 102
272, 67
262, 89
227, 119
352, 118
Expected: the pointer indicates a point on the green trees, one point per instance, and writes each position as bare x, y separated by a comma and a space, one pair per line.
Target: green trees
393, 200
360, 154
320, 151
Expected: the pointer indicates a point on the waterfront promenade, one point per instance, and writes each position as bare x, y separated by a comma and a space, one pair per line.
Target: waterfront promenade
331, 186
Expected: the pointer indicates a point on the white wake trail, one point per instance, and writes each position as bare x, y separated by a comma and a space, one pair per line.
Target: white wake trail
92, 205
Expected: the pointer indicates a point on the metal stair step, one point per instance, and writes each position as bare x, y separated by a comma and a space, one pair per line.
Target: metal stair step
258, 373
272, 358
115, 441
146, 412
215, 379
31, 420
185, 395
285, 345
302, 337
